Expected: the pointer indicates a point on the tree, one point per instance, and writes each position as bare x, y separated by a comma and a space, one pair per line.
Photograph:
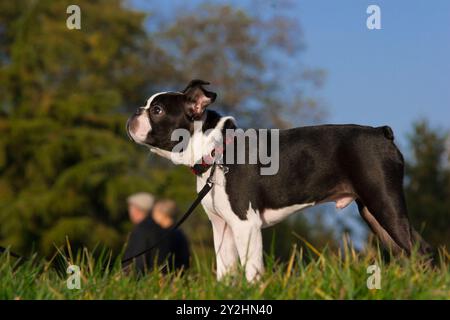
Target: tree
66, 165
428, 184
252, 59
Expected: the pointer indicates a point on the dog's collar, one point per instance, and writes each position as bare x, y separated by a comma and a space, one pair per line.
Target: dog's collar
215, 156
200, 168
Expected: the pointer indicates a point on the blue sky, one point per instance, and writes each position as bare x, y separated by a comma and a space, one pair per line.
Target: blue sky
395, 76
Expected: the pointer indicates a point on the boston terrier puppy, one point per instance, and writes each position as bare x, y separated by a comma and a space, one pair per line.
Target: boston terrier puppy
316, 164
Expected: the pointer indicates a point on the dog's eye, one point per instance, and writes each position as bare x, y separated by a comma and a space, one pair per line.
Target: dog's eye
156, 110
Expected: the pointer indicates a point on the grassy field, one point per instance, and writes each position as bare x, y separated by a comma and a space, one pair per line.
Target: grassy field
311, 275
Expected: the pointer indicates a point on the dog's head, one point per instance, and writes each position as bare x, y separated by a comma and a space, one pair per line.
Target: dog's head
165, 112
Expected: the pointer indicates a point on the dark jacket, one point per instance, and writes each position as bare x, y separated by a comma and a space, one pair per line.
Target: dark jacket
174, 248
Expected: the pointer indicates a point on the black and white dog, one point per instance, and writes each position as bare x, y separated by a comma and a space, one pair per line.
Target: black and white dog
340, 163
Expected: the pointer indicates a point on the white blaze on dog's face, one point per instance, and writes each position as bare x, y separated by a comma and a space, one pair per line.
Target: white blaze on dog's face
165, 112
140, 126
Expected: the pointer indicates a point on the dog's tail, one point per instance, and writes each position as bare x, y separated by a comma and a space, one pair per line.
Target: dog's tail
388, 133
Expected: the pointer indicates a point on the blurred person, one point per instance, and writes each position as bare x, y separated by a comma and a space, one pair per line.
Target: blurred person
152, 223
139, 206
164, 214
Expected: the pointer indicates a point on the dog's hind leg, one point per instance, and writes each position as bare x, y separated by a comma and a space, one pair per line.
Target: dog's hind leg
377, 179
382, 205
423, 247
376, 228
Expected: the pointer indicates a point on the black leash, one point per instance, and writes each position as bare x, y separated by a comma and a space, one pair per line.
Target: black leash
208, 186
203, 192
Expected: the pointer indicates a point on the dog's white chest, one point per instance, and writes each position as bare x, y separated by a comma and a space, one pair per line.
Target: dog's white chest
216, 201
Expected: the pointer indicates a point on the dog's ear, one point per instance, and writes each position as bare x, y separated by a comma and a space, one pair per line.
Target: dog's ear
198, 98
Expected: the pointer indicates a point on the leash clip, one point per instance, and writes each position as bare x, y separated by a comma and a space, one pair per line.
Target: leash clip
209, 180
224, 168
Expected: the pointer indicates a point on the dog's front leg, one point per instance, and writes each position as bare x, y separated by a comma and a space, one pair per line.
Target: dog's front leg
226, 252
248, 238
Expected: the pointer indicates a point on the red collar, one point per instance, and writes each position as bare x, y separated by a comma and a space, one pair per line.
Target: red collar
208, 160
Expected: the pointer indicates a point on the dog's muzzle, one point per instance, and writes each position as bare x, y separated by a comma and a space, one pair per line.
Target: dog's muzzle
138, 126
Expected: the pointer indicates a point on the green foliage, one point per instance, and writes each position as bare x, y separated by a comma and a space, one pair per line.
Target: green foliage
49, 70
322, 276
66, 166
428, 184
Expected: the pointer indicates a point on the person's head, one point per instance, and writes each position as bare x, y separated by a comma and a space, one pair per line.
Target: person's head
139, 206
164, 212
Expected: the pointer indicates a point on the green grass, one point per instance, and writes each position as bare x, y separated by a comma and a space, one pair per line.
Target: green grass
314, 275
